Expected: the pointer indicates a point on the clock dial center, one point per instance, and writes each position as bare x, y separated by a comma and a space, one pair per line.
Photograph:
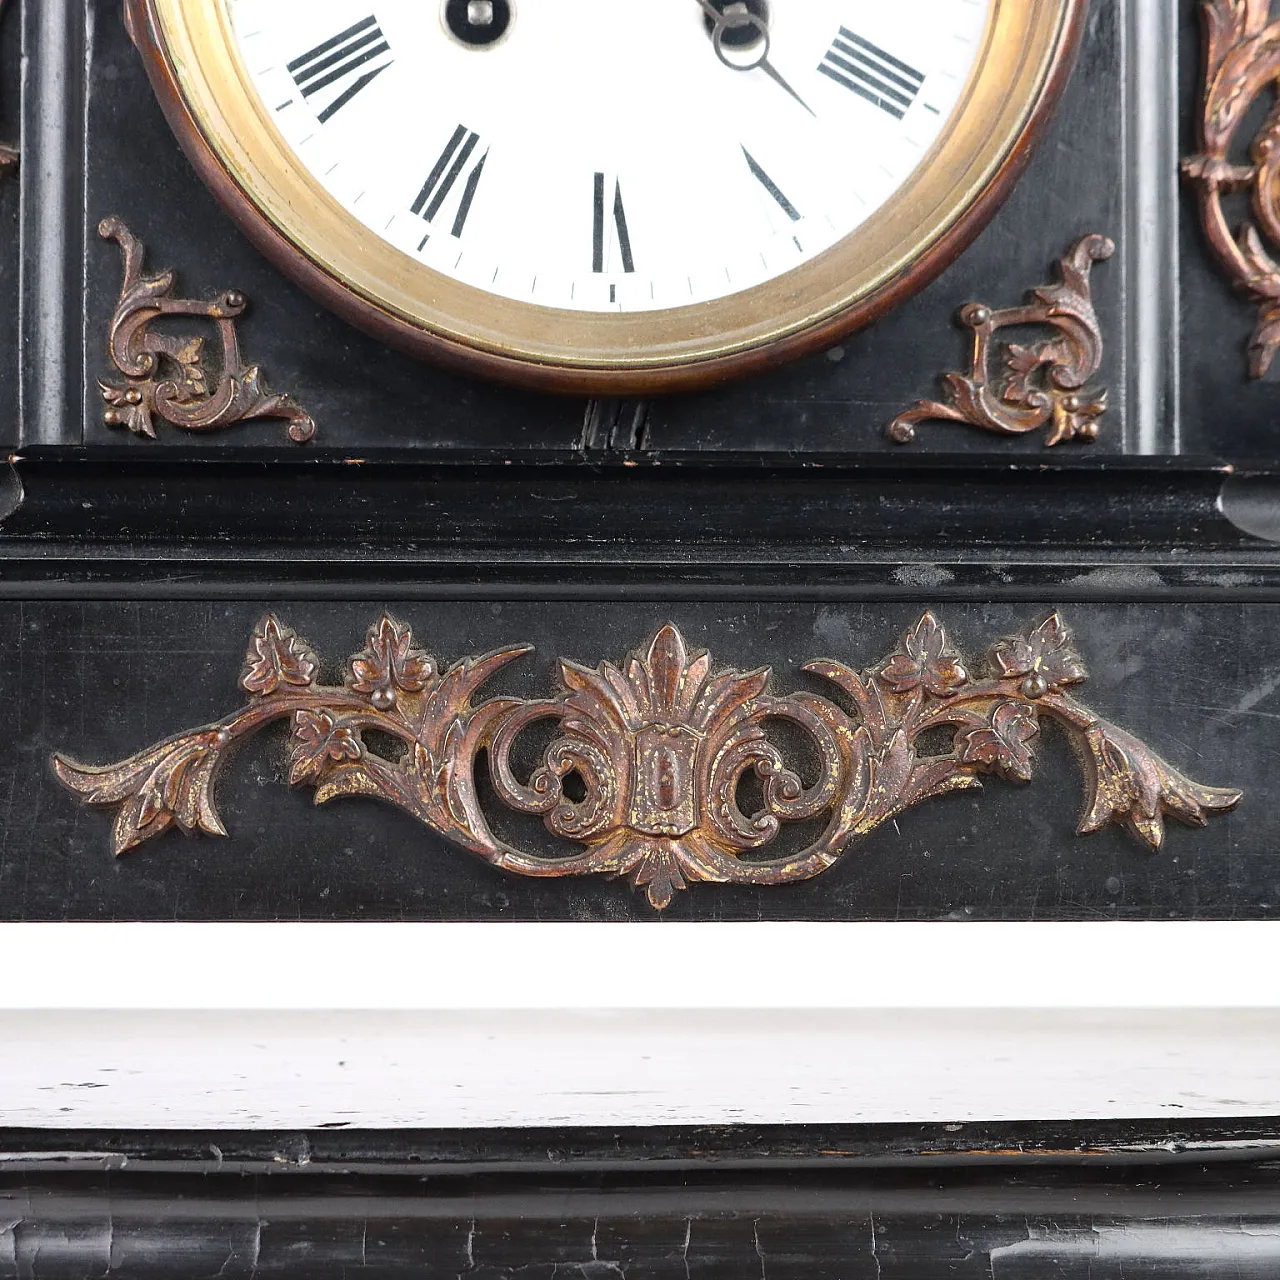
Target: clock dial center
741, 22
477, 24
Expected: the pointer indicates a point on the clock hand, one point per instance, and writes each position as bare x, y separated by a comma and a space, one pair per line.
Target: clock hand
733, 18
776, 76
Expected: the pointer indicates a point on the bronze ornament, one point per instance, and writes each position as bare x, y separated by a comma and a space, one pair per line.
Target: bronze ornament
1041, 384
1242, 62
9, 155
648, 765
167, 376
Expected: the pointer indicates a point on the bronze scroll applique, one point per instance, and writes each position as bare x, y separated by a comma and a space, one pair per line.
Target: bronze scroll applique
1242, 62
1013, 388
9, 155
167, 375
646, 769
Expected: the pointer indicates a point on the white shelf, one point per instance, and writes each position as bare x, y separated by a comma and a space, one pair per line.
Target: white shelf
262, 1070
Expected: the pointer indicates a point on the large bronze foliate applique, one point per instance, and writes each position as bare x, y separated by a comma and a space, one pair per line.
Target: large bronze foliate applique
657, 750
1242, 63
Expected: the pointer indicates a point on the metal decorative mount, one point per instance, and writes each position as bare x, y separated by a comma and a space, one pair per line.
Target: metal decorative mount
9, 155
1040, 385
1242, 61
180, 393
648, 768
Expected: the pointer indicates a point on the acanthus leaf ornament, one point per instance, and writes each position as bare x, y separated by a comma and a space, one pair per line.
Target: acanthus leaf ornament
657, 749
1004, 744
1242, 62
389, 663
661, 745
167, 376
1038, 385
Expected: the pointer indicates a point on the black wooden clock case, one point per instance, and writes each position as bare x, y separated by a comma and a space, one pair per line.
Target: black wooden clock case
773, 522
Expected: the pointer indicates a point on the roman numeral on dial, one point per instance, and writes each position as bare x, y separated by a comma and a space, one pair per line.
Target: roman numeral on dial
339, 59
601, 248
444, 175
872, 73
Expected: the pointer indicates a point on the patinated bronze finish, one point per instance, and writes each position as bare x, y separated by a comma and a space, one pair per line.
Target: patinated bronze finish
648, 765
9, 155
1242, 62
166, 375
1041, 384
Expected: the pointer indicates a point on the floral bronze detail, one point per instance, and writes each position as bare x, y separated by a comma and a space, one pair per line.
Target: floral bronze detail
431, 714
1043, 384
166, 376
648, 763
1242, 61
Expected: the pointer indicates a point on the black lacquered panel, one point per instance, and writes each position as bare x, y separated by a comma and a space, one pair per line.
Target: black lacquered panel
102, 680
1174, 329
638, 1205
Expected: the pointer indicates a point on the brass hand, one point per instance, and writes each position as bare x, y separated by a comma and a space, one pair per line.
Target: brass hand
734, 18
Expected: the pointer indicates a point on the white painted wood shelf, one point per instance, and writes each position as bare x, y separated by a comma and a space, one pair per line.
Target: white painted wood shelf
450, 1068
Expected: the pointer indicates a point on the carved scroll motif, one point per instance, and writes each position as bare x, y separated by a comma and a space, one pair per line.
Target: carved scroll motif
1015, 389
9, 155
166, 375
646, 770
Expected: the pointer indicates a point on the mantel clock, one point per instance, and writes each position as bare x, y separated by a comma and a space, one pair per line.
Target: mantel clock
610, 461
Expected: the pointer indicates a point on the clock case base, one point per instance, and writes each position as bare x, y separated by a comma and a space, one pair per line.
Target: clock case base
1004, 1201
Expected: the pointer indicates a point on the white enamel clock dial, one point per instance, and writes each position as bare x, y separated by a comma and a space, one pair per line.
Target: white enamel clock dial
610, 154
609, 196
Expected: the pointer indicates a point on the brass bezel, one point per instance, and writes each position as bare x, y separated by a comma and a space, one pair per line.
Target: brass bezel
1028, 43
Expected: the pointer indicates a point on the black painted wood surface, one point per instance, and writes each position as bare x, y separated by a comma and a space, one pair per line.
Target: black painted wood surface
995, 1202
120, 158
774, 524
116, 677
